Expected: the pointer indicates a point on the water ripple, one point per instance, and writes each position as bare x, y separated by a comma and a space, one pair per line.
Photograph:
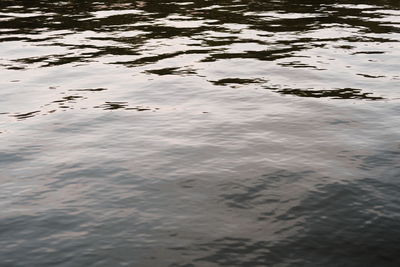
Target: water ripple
199, 133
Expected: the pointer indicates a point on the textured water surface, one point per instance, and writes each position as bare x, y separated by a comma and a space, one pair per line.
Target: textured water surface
200, 133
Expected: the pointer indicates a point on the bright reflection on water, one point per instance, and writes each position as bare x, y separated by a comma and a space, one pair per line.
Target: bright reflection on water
205, 133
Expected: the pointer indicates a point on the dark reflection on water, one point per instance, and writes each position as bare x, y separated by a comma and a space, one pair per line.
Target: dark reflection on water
199, 133
346, 93
121, 105
323, 36
365, 241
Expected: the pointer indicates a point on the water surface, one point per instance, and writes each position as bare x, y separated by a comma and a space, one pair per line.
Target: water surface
199, 133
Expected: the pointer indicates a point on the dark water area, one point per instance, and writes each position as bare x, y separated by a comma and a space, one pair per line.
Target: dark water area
200, 133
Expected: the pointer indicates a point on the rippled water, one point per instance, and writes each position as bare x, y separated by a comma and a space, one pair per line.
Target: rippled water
205, 133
